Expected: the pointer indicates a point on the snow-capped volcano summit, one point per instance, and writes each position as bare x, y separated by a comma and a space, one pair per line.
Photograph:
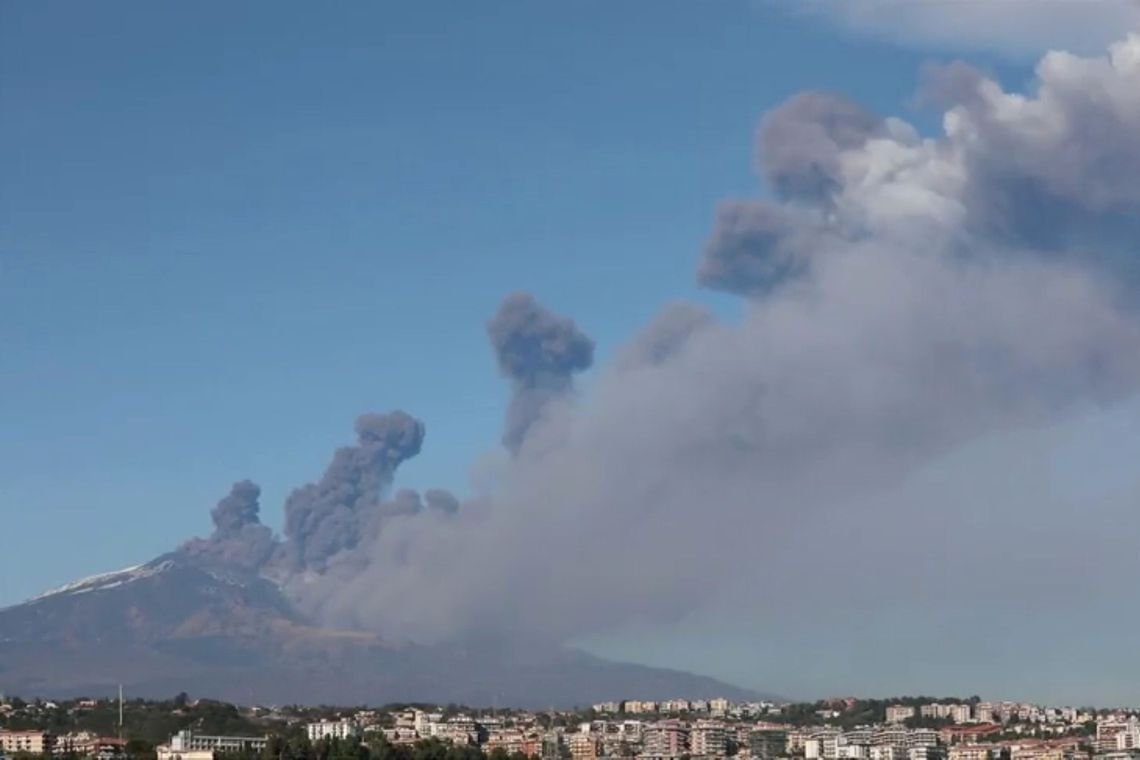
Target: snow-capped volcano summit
183, 622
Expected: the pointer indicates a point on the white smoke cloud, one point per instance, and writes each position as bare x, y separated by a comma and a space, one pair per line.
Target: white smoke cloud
1020, 28
928, 308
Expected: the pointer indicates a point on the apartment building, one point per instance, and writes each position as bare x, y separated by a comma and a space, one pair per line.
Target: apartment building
32, 742
582, 746
332, 729
665, 739
708, 738
969, 752
768, 743
899, 713
675, 706
719, 706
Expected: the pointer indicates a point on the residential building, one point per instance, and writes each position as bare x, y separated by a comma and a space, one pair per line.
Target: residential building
665, 739
886, 752
969, 752
32, 742
188, 745
899, 713
583, 746
332, 729
768, 743
707, 738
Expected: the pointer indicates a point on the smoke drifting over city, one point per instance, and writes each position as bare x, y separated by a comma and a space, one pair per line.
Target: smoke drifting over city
903, 297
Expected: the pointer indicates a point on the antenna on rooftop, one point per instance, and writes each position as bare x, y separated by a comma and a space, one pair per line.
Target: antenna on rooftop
120, 712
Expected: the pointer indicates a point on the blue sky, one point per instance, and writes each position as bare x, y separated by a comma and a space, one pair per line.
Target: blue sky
227, 229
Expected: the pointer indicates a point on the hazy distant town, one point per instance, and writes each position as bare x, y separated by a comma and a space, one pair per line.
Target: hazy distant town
909, 728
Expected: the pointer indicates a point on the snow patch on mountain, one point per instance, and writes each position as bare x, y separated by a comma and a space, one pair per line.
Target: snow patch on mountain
105, 581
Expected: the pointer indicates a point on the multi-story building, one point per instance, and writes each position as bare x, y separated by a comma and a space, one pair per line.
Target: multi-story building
768, 743
823, 744
886, 752
922, 737
984, 712
188, 745
707, 738
969, 752
960, 713
900, 713
582, 746
607, 708
509, 740
719, 706
332, 729
31, 742
892, 737
639, 707
922, 752
665, 739
797, 738
672, 706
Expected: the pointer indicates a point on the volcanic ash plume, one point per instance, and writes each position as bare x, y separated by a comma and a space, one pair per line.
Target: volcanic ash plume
327, 517
539, 352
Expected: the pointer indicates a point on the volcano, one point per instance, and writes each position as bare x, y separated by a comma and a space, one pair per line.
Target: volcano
184, 623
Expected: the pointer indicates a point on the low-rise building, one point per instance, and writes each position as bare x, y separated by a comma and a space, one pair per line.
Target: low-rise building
332, 729
188, 745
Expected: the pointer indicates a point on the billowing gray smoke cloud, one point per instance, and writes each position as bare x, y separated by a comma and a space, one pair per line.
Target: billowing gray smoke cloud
441, 500
239, 539
889, 323
539, 352
909, 330
327, 517
238, 509
802, 143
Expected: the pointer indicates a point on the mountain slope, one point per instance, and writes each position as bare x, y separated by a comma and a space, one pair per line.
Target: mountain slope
179, 623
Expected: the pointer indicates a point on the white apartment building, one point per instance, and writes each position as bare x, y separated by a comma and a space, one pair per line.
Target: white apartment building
921, 753
188, 745
922, 737
719, 706
332, 729
886, 752
969, 752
